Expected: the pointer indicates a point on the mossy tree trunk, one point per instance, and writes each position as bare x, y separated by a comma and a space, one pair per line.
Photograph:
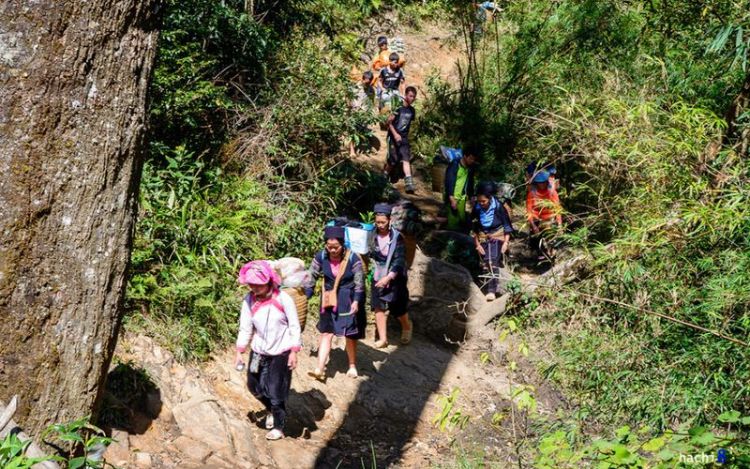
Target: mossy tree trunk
73, 82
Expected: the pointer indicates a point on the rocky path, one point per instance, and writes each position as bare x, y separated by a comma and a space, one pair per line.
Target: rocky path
204, 417
207, 418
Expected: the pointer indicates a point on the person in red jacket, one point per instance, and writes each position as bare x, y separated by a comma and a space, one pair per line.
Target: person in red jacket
543, 211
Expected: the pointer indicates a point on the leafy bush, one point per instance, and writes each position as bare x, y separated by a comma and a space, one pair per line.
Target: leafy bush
635, 448
300, 132
210, 53
12, 453
631, 102
247, 124
85, 442
196, 229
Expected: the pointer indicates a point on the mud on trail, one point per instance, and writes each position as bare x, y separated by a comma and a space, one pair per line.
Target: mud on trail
190, 417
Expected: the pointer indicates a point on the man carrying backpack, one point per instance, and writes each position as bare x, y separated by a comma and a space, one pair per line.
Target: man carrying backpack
459, 188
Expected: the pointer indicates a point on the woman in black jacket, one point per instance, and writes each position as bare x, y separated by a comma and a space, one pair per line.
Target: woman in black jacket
389, 290
491, 233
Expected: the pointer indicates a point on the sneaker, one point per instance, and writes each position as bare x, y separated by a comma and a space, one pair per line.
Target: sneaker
318, 374
409, 185
352, 373
406, 334
490, 297
269, 421
274, 434
381, 343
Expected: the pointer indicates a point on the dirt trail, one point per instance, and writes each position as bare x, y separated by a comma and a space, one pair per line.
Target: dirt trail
207, 418
429, 51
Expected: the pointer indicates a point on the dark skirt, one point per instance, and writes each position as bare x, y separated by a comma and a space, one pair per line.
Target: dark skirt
393, 299
351, 326
343, 324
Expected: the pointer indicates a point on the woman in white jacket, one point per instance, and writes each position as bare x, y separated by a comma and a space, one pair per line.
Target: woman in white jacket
269, 323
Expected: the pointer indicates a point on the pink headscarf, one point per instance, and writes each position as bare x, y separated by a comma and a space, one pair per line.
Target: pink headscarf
258, 273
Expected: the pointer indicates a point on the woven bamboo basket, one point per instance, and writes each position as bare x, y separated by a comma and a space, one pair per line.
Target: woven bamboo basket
410, 242
438, 176
300, 301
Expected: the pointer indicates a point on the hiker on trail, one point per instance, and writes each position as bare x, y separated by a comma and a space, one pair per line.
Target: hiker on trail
269, 323
342, 307
389, 291
534, 168
399, 154
543, 211
364, 99
383, 57
459, 188
391, 82
485, 13
554, 181
491, 233
364, 93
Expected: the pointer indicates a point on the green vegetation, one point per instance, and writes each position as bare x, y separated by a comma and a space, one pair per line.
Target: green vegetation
249, 116
12, 453
85, 441
643, 106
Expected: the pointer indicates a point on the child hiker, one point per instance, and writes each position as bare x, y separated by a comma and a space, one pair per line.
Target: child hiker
391, 83
399, 154
364, 98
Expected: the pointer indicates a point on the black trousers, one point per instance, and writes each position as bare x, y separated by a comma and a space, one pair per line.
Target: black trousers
547, 231
493, 261
271, 385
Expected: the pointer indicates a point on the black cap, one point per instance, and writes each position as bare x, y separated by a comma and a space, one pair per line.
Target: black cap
383, 209
333, 232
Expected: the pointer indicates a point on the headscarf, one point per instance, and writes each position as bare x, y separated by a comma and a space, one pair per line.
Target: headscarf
259, 273
334, 232
383, 209
487, 188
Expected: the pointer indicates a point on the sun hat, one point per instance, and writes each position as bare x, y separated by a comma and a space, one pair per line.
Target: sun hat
541, 176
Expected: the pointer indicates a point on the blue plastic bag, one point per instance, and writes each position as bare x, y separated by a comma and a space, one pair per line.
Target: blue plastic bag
451, 154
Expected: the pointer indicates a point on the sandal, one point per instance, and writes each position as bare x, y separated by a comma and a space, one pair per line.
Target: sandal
381, 343
274, 434
352, 373
318, 375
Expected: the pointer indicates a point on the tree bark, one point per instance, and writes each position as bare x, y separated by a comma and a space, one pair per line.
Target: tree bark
73, 83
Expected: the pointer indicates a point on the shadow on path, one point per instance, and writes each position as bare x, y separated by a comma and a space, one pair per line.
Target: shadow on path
394, 390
